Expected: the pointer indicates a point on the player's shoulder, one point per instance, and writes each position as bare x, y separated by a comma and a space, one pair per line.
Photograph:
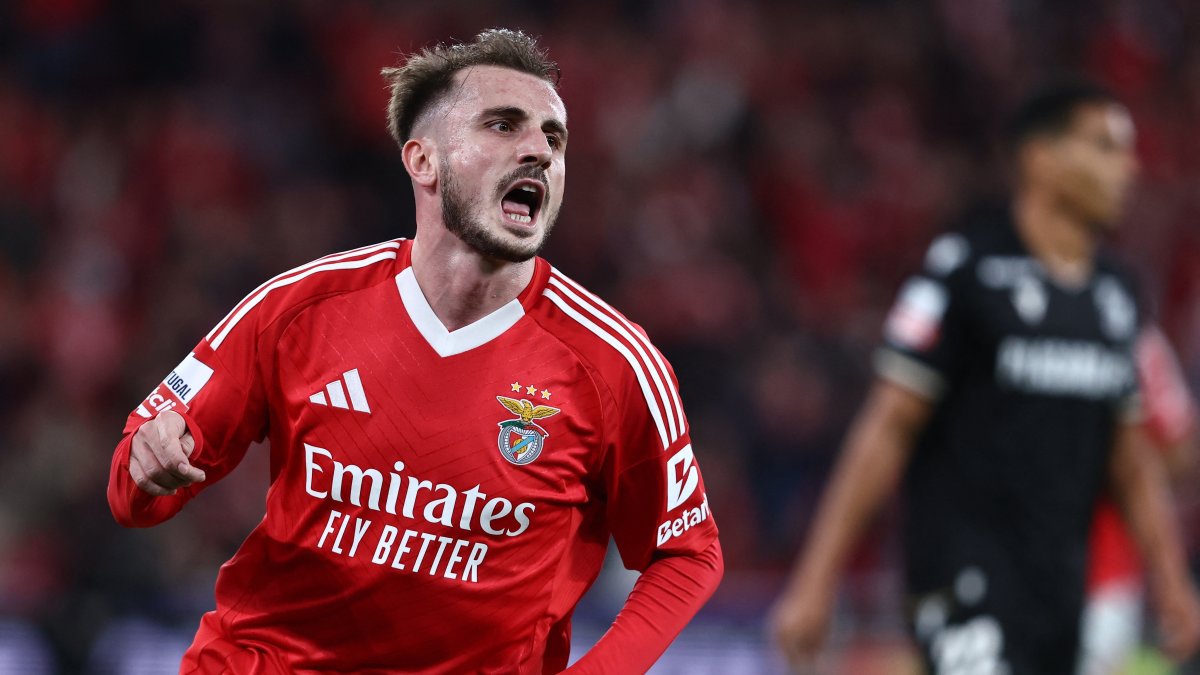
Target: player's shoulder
616, 352
590, 326
979, 244
299, 287
614, 348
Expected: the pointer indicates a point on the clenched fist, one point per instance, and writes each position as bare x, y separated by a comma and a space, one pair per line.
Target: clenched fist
158, 460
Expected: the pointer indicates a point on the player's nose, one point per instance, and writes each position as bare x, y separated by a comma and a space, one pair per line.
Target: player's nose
534, 148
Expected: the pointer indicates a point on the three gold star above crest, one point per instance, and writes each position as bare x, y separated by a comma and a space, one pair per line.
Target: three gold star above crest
531, 390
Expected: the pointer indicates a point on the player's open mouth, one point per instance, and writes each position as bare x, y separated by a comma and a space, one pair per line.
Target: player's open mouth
523, 201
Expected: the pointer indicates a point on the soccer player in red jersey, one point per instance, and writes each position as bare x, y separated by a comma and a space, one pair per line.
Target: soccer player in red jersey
456, 428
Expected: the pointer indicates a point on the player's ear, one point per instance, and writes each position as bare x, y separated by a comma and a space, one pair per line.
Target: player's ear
1036, 158
420, 160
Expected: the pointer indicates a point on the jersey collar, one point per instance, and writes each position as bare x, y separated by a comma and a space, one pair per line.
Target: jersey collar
448, 343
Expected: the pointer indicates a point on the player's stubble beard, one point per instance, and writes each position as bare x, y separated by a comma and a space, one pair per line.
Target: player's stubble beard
463, 218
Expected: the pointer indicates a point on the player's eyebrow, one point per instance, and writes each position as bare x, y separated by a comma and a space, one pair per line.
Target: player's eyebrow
508, 112
512, 112
554, 126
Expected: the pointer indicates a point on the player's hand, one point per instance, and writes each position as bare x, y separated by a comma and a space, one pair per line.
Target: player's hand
1179, 621
799, 623
159, 459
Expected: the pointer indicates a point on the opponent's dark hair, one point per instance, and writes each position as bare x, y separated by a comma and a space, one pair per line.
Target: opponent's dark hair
424, 77
1048, 111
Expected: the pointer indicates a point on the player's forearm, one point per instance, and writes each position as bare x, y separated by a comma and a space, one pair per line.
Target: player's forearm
1141, 487
871, 463
664, 599
1181, 455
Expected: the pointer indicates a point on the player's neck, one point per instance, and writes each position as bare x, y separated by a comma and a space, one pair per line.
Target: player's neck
461, 285
1064, 244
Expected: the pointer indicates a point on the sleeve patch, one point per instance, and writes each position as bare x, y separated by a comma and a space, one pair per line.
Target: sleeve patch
916, 320
683, 478
178, 389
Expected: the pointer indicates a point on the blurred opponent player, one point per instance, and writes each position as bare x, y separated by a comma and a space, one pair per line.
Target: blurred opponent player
1112, 617
1006, 399
456, 428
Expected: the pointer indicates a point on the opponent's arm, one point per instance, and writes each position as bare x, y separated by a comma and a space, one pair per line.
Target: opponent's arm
873, 458
666, 596
1140, 488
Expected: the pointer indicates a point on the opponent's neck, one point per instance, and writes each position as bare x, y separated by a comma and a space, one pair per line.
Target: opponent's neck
461, 285
1062, 242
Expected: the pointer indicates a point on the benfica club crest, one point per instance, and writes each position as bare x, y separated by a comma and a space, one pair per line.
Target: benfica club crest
521, 440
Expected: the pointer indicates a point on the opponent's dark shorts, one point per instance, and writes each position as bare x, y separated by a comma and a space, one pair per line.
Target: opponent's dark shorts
986, 623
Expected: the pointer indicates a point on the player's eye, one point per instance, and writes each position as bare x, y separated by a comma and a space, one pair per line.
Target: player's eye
553, 141
502, 126
1103, 143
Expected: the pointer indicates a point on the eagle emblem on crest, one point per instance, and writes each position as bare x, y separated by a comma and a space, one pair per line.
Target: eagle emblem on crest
521, 440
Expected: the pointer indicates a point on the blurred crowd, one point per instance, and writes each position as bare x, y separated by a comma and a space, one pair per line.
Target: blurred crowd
749, 181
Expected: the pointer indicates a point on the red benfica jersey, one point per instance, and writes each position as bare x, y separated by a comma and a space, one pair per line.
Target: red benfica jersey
439, 501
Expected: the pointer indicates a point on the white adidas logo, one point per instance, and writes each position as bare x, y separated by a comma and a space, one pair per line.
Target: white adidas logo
337, 394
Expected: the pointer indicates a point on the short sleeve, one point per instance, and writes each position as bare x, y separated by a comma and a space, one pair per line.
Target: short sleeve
656, 501
924, 333
1117, 297
1170, 411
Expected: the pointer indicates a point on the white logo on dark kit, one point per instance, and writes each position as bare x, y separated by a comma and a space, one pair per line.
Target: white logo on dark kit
1118, 316
1030, 300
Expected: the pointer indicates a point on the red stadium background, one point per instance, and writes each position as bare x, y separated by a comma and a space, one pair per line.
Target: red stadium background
749, 181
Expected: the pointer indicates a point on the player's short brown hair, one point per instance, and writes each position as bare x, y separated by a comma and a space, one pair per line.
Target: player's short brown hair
425, 76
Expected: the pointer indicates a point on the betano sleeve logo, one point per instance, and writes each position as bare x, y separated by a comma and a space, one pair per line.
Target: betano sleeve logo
180, 387
683, 477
